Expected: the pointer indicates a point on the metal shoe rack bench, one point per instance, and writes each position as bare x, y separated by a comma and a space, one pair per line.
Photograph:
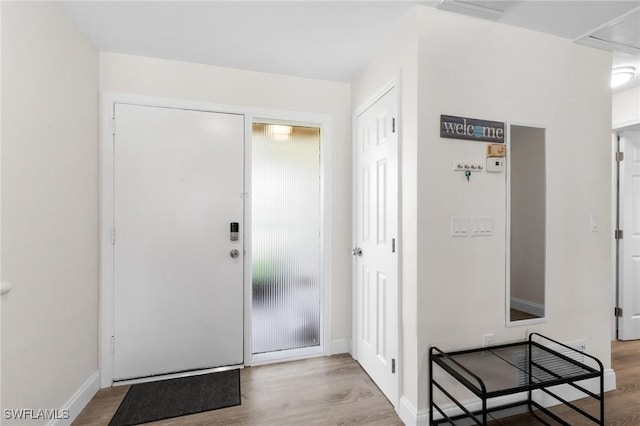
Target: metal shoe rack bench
512, 368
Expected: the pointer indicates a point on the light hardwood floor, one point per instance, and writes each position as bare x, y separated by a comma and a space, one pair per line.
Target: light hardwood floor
517, 315
336, 391
318, 391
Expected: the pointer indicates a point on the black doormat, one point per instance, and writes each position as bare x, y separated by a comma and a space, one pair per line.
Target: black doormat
148, 402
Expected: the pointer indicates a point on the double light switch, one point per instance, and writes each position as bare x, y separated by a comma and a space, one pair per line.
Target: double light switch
474, 226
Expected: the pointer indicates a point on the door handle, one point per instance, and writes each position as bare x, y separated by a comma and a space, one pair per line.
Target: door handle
234, 253
356, 251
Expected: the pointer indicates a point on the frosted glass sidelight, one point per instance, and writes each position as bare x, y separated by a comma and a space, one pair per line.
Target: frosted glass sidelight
285, 237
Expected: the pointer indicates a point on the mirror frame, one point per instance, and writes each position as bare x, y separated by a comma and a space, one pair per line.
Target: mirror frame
542, 319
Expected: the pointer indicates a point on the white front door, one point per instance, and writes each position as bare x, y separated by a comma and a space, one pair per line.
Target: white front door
178, 292
629, 254
376, 243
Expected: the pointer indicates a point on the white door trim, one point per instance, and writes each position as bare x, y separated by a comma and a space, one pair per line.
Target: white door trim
395, 82
615, 134
628, 329
614, 225
106, 300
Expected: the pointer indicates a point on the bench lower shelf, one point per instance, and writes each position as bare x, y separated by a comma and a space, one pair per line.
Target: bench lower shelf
527, 367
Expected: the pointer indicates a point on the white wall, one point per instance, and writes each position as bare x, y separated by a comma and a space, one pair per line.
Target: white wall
187, 81
482, 69
49, 207
626, 108
399, 56
454, 288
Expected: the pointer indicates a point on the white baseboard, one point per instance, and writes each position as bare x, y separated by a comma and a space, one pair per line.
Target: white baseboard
79, 400
340, 346
610, 382
527, 306
411, 417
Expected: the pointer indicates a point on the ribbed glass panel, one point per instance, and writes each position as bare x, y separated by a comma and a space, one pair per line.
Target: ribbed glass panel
285, 237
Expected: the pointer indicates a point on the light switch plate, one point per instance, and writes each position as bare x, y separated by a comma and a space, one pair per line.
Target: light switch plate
459, 226
595, 222
481, 226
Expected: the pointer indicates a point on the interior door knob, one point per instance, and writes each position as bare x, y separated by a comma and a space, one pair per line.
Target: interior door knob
234, 253
357, 251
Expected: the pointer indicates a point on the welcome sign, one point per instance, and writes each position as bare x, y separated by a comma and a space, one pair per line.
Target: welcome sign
471, 129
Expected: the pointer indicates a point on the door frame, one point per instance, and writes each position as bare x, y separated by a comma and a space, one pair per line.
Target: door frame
614, 225
106, 296
616, 202
395, 82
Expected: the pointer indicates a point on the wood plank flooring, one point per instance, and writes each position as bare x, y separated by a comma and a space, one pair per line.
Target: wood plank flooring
517, 315
336, 391
318, 391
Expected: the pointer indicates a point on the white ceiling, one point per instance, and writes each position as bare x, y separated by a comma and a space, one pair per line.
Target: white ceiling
329, 40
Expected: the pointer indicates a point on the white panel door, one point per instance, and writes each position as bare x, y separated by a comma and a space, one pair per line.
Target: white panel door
377, 229
178, 293
629, 255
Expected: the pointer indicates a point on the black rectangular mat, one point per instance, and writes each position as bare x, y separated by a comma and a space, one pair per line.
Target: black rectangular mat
148, 402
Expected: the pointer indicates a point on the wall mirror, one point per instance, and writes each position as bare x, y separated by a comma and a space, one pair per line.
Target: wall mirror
526, 225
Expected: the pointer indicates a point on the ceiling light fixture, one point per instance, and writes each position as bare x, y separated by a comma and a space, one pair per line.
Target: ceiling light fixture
279, 132
621, 75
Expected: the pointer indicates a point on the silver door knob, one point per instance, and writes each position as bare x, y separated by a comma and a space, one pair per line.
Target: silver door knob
357, 251
234, 253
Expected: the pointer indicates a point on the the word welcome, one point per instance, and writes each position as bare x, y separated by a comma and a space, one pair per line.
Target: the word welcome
471, 129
